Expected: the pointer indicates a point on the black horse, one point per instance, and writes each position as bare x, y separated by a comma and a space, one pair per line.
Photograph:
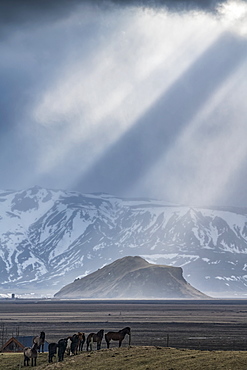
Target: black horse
74, 343
52, 350
92, 337
61, 345
117, 335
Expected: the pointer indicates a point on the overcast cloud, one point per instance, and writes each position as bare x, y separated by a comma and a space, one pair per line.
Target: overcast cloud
133, 98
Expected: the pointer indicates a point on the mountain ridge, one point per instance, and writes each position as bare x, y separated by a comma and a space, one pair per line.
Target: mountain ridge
50, 237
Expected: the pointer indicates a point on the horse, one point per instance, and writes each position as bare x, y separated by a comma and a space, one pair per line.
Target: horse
68, 345
61, 345
52, 349
30, 353
81, 341
74, 344
117, 335
40, 340
92, 337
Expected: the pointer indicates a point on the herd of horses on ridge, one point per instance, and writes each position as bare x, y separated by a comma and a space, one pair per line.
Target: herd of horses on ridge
72, 344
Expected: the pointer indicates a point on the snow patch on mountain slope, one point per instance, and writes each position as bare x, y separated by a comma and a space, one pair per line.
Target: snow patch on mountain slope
52, 236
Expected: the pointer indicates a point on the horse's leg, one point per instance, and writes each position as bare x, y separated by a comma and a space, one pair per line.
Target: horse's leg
98, 345
120, 342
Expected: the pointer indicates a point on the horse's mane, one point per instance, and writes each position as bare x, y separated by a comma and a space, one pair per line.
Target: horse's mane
126, 329
42, 335
100, 333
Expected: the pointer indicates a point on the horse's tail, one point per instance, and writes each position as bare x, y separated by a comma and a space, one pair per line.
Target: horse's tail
88, 340
107, 340
91, 343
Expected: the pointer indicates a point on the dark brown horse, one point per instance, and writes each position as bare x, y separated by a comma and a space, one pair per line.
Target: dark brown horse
92, 337
81, 341
117, 335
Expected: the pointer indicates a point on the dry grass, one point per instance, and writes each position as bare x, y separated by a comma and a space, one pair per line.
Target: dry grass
138, 358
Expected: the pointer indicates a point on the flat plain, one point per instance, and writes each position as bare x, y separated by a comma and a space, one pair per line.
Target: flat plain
203, 326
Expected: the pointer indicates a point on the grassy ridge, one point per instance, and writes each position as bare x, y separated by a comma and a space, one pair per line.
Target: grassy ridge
138, 358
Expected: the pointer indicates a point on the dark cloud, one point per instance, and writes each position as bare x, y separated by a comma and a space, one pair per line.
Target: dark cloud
23, 11
12, 11
175, 4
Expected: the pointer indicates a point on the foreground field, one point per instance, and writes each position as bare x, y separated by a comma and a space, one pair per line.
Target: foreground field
138, 358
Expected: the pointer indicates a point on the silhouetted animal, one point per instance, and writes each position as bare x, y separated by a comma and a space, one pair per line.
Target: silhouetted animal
61, 345
52, 350
81, 341
74, 344
117, 335
40, 340
30, 353
92, 337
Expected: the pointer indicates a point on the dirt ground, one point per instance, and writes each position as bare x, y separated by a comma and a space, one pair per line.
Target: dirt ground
200, 325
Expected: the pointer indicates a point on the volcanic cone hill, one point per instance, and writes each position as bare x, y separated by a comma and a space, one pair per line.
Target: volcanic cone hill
132, 277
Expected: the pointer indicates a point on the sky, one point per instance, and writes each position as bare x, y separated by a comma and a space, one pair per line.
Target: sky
131, 98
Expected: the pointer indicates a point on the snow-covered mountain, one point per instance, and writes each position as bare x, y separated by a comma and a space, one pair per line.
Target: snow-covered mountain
48, 238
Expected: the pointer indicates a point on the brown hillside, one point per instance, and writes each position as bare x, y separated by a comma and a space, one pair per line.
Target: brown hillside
131, 277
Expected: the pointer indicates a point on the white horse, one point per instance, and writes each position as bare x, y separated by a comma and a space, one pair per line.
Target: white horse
68, 347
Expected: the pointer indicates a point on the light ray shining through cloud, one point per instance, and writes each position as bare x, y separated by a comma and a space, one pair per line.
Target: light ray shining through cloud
126, 75
81, 79
207, 155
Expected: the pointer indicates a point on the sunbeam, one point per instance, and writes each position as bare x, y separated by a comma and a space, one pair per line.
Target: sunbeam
138, 58
130, 99
200, 166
